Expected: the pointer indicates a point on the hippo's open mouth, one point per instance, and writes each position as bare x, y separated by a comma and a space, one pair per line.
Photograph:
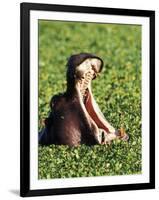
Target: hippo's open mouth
88, 71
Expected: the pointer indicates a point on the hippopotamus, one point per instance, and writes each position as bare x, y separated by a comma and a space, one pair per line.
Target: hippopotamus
75, 117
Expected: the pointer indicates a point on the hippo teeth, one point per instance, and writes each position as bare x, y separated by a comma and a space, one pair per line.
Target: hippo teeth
85, 82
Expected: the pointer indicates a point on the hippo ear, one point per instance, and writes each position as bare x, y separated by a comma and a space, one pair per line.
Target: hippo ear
97, 64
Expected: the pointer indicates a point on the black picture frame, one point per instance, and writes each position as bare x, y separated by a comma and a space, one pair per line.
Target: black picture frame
25, 9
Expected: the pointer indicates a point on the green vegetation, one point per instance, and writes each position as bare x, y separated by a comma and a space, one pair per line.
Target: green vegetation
117, 91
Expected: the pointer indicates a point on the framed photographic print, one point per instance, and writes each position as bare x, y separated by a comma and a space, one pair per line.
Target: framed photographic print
87, 99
